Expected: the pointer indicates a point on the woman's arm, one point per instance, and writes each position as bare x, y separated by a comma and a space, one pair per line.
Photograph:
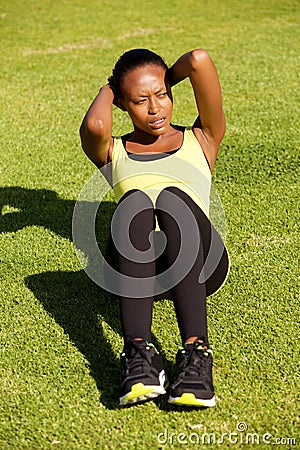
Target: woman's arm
209, 127
96, 127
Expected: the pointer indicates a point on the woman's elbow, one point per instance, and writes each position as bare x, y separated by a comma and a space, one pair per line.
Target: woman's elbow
198, 57
92, 127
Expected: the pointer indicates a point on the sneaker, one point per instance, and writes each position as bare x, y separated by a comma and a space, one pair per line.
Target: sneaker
193, 386
144, 376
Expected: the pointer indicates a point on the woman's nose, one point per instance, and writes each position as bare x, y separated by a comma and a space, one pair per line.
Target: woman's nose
153, 106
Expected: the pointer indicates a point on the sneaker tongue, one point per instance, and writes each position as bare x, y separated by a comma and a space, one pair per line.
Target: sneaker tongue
139, 348
194, 346
189, 345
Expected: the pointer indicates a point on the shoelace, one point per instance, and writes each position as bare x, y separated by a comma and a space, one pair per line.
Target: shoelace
137, 356
195, 360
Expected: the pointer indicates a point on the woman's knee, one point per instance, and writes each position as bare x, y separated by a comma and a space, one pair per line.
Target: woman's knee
134, 212
169, 194
137, 197
174, 196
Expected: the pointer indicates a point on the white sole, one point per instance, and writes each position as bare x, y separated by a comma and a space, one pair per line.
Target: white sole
188, 399
140, 392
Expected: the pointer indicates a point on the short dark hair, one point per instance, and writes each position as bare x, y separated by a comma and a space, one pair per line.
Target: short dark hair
130, 60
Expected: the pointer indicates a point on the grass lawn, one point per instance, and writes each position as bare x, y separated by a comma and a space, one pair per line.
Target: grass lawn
59, 332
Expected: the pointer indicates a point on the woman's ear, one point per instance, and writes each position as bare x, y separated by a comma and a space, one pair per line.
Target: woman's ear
169, 90
168, 85
120, 104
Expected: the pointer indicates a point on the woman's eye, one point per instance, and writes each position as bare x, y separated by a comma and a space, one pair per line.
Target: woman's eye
163, 94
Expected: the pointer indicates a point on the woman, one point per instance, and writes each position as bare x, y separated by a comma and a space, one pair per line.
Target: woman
161, 176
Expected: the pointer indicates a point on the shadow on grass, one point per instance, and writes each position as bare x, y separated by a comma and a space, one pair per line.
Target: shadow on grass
71, 298
42, 207
78, 305
75, 302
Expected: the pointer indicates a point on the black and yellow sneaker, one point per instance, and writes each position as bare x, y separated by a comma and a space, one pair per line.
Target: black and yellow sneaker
193, 386
144, 375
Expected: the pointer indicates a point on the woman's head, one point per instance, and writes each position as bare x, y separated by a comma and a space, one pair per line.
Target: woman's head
129, 61
140, 88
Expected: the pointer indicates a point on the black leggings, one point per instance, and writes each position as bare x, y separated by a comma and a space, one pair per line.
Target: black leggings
188, 295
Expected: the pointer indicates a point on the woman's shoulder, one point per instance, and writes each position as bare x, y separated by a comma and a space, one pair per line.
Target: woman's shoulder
122, 137
185, 129
180, 127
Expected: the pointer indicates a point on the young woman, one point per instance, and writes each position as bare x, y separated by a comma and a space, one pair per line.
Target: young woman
161, 175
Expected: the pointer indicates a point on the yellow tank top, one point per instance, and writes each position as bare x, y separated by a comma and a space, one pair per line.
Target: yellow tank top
187, 169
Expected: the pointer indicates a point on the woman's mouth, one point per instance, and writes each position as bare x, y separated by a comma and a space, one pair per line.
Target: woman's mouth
158, 123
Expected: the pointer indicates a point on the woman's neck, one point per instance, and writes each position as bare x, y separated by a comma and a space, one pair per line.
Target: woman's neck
140, 142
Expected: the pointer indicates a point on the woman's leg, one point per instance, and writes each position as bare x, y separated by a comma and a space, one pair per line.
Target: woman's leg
134, 225
190, 233
189, 295
144, 376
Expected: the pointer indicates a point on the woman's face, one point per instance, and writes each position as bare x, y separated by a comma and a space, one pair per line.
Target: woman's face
147, 99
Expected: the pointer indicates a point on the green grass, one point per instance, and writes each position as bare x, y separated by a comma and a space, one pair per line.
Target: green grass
59, 332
